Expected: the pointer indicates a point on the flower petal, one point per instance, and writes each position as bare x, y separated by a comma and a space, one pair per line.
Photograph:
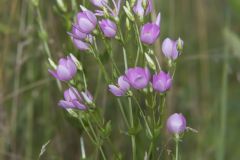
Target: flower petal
79, 105
65, 104
123, 83
115, 90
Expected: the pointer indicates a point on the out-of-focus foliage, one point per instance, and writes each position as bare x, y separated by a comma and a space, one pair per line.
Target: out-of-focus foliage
235, 4
233, 41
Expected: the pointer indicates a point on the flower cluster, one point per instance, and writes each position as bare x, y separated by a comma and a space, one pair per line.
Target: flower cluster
74, 99
139, 78
81, 31
105, 22
65, 71
86, 23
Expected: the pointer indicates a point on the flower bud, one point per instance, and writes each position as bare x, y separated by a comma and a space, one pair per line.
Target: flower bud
128, 12
61, 5
122, 87
132, 2
81, 45
99, 3
88, 98
150, 31
65, 70
76, 61
171, 48
138, 77
87, 21
116, 91
72, 99
150, 61
162, 82
108, 27
52, 63
128, 24
143, 7
79, 38
180, 44
176, 123
76, 33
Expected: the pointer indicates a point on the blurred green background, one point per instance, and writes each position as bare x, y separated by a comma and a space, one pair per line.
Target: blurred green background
206, 87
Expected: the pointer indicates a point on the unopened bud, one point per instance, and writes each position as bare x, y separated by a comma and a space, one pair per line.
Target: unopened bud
180, 44
76, 61
128, 24
150, 61
150, 51
170, 62
72, 113
61, 5
87, 97
52, 63
128, 13
83, 8
116, 19
105, 11
144, 4
132, 2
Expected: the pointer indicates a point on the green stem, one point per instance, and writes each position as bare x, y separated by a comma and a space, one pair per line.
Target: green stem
43, 32
94, 50
83, 153
91, 137
153, 117
158, 64
102, 68
86, 130
150, 150
113, 148
161, 109
95, 135
177, 152
100, 124
138, 36
125, 59
223, 109
144, 117
101, 150
110, 53
136, 61
98, 85
133, 138
138, 41
123, 113
84, 81
44, 40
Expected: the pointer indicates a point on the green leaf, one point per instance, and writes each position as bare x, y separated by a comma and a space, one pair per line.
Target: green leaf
107, 130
